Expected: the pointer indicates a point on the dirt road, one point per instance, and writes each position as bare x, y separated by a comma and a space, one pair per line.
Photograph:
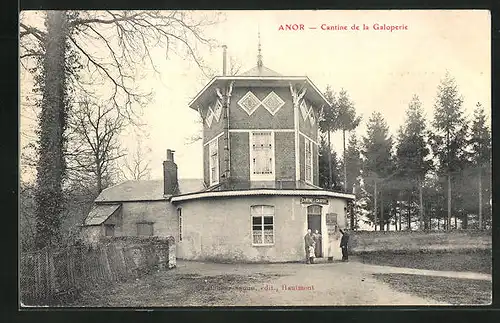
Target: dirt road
293, 284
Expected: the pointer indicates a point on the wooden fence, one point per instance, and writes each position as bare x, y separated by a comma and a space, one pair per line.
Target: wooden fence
56, 276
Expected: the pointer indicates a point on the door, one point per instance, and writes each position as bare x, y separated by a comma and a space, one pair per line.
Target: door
314, 223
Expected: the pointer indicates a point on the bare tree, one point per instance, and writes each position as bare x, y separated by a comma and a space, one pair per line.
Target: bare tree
137, 165
99, 52
94, 147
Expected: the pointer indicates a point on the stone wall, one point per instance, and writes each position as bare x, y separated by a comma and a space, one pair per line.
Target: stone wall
418, 241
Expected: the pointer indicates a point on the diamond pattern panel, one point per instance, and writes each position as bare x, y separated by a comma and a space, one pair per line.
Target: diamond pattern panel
217, 110
272, 103
249, 102
209, 118
303, 109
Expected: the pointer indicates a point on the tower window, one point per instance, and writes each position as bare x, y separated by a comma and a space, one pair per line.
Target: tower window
213, 151
262, 155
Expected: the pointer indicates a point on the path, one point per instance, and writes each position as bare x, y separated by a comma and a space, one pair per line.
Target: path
291, 284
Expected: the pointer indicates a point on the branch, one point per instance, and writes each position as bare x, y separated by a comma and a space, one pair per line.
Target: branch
28, 30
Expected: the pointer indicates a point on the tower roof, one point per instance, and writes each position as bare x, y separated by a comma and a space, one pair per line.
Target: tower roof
260, 71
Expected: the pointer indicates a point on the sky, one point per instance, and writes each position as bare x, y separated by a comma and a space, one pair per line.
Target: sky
381, 70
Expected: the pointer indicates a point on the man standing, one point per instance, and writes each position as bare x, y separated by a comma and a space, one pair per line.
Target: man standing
344, 241
308, 240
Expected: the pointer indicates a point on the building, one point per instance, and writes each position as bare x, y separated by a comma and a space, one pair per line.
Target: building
260, 188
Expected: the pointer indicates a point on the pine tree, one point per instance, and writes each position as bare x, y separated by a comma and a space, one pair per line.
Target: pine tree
378, 163
448, 138
480, 142
347, 121
329, 123
353, 166
412, 152
327, 158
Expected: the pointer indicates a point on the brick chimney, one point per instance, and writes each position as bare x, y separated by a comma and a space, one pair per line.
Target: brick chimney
170, 182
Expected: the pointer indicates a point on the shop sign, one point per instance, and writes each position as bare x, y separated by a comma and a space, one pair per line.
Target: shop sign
313, 200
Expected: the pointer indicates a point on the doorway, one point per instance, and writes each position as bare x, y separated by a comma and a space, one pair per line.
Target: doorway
314, 223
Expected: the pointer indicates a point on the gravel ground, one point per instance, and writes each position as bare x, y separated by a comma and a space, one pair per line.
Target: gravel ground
291, 284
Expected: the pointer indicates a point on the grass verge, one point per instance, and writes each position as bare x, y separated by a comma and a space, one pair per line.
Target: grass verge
477, 261
452, 291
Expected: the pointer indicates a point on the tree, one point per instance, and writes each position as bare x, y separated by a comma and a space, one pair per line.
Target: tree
137, 164
328, 157
123, 40
480, 142
377, 157
51, 165
353, 164
412, 153
346, 121
448, 138
93, 134
328, 123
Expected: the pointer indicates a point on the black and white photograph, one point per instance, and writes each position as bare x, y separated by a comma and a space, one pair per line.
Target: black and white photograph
254, 158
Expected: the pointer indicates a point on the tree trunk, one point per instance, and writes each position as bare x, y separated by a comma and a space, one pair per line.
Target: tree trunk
449, 203
330, 170
375, 206
345, 166
52, 123
382, 210
409, 211
480, 200
421, 208
400, 211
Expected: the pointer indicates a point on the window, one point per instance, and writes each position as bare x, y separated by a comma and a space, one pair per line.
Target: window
144, 229
262, 155
308, 160
314, 210
213, 151
179, 213
109, 230
262, 224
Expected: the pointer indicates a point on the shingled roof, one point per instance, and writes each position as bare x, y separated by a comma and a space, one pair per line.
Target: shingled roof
146, 190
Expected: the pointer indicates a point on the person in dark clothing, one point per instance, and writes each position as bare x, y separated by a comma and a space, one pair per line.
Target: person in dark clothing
344, 243
309, 241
